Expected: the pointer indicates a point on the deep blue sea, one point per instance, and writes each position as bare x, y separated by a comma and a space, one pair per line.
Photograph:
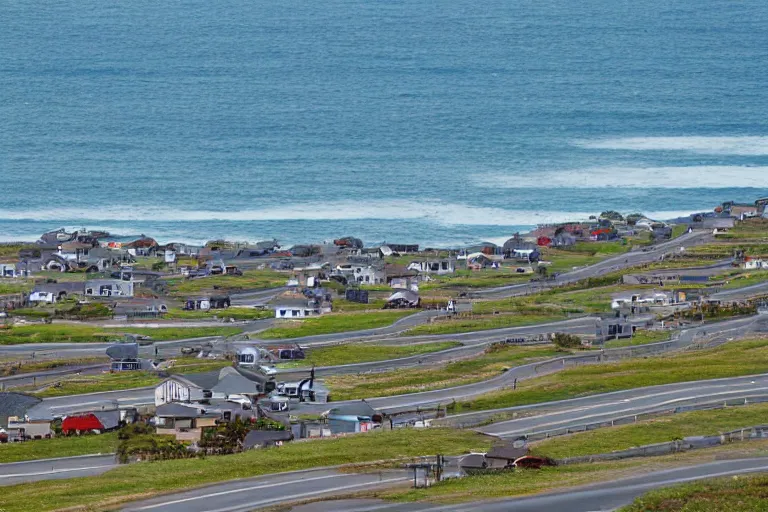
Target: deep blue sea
440, 123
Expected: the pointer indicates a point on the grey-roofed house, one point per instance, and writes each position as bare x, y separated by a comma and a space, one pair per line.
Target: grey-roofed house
266, 438
504, 455
15, 404
353, 418
53, 292
108, 288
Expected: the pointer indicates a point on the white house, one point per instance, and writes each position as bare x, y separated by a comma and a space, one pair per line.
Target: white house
754, 264
444, 266
8, 270
108, 288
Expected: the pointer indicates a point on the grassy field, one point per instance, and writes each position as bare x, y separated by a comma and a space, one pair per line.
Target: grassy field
344, 306
10, 286
16, 367
745, 493
747, 279
657, 430
80, 384
364, 352
593, 300
76, 333
481, 323
526, 482
58, 447
731, 360
332, 323
233, 312
490, 364
250, 280
641, 337
147, 479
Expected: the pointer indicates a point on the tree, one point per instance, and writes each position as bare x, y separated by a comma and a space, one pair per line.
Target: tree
564, 340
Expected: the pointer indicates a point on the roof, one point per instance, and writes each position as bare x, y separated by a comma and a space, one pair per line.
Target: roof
258, 437
361, 408
406, 295
16, 404
506, 451
177, 410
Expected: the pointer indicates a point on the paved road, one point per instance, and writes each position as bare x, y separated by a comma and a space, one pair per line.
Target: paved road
734, 328
260, 492
630, 259
731, 329
49, 469
598, 497
141, 396
742, 293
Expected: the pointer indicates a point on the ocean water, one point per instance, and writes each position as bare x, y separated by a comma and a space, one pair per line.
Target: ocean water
441, 123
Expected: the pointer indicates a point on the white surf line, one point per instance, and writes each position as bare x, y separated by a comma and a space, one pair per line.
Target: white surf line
296, 497
234, 491
632, 410
54, 471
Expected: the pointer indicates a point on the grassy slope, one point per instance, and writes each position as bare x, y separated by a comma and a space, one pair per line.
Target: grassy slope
58, 447
72, 333
235, 312
347, 387
746, 493
731, 360
327, 324
459, 325
519, 483
250, 280
364, 352
641, 337
146, 479
658, 430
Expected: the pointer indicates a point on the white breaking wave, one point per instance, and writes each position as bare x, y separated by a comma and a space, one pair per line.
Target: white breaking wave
428, 210
746, 145
702, 176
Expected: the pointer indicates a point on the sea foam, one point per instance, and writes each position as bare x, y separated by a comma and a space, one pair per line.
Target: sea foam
703, 176
744, 145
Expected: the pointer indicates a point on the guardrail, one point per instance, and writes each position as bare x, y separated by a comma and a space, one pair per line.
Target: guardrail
655, 413
676, 446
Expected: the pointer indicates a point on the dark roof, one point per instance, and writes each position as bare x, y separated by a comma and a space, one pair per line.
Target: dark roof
174, 410
361, 408
205, 380
506, 451
16, 404
259, 437
109, 419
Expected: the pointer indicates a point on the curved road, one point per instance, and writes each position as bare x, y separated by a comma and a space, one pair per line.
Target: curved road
605, 496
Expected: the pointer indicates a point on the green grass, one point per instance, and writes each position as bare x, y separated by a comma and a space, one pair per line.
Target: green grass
476, 279
657, 430
490, 364
234, 312
747, 279
743, 493
331, 323
75, 333
58, 447
592, 300
731, 360
344, 306
147, 479
481, 323
250, 280
15, 367
11, 286
363, 352
641, 337
679, 230
507, 484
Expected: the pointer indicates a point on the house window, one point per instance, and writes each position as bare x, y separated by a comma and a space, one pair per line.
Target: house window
89, 291
294, 313
283, 312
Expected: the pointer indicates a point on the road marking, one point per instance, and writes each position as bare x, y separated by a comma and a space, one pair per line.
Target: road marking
53, 472
296, 497
234, 491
